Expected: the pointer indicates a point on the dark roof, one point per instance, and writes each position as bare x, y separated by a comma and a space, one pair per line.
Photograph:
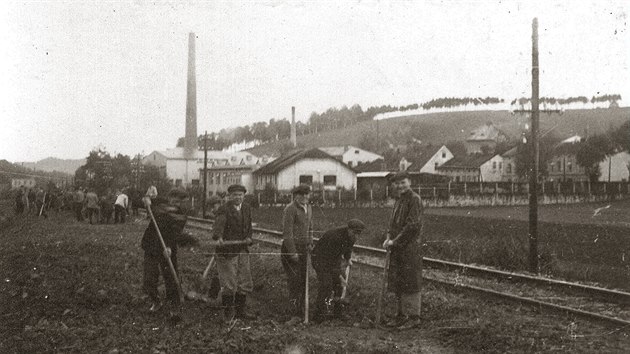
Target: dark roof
374, 166
419, 159
282, 162
469, 161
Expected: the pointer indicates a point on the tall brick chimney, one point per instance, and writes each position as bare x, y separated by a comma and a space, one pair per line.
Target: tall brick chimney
190, 140
293, 132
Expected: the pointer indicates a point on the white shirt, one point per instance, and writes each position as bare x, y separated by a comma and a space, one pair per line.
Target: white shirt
152, 192
122, 200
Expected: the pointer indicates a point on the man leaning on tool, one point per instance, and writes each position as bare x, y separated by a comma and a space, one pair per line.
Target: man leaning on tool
297, 223
234, 223
170, 219
331, 254
402, 239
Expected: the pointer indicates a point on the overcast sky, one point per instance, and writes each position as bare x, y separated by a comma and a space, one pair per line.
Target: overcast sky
78, 74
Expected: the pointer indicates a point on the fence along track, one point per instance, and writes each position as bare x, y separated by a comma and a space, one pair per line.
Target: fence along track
374, 257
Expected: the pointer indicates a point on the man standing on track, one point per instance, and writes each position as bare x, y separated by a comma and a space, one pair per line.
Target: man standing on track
234, 223
91, 200
403, 239
297, 222
120, 207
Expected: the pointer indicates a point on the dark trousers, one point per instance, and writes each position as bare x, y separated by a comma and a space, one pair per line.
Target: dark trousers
328, 286
106, 215
119, 214
296, 279
78, 207
92, 212
153, 266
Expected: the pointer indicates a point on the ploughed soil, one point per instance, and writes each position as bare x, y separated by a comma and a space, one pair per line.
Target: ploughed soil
71, 287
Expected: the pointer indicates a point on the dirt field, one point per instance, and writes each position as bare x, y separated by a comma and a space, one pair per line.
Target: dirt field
71, 287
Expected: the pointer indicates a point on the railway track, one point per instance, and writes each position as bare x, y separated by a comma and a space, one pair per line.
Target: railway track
575, 299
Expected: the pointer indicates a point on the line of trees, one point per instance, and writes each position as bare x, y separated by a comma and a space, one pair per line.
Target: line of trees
106, 174
565, 101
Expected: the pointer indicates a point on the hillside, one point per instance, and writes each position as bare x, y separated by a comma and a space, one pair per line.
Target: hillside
443, 127
51, 164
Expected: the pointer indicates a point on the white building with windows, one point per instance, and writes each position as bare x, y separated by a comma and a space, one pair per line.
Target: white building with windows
185, 172
313, 167
351, 155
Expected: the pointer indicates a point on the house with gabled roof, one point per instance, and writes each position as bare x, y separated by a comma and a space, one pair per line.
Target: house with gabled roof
351, 155
425, 160
562, 165
313, 167
484, 139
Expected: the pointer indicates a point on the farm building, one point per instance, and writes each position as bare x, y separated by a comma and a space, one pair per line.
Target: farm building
313, 167
350, 155
222, 175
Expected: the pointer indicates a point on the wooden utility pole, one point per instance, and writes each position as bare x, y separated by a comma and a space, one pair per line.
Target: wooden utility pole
205, 174
535, 152
533, 177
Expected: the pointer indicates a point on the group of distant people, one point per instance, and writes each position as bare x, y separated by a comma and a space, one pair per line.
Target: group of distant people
109, 206
37, 201
331, 255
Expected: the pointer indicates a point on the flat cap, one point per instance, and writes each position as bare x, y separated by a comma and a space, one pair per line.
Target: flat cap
177, 193
399, 175
301, 189
236, 188
356, 224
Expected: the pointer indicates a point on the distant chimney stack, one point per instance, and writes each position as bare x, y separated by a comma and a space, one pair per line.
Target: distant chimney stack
293, 132
190, 140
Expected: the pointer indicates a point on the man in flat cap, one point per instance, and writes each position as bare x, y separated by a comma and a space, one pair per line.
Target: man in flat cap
234, 223
170, 219
297, 223
331, 255
403, 238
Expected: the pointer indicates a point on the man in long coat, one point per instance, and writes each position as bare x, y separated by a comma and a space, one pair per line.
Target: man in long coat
403, 240
297, 223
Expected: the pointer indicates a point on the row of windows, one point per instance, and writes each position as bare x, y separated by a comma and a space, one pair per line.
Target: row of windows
329, 180
224, 178
557, 166
508, 167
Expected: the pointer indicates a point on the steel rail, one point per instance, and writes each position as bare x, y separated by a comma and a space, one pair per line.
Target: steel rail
458, 286
438, 263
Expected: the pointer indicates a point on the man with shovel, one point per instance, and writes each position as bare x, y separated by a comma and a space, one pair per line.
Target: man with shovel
402, 240
331, 254
170, 220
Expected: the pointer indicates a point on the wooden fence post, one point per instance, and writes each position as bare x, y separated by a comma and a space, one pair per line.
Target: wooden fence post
573, 188
340, 197
465, 190
434, 193
355, 194
449, 190
589, 187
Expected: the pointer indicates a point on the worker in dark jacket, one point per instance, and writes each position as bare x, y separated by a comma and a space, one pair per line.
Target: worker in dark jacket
171, 220
297, 224
331, 254
403, 239
234, 223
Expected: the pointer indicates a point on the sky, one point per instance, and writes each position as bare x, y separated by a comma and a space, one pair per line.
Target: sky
78, 75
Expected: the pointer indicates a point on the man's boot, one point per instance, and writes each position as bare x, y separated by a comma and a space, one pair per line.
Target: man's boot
241, 308
228, 307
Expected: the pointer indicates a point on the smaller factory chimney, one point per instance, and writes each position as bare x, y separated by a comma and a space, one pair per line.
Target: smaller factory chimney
293, 132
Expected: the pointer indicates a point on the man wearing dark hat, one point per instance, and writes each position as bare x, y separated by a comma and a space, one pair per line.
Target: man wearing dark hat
170, 219
297, 222
403, 238
331, 254
234, 223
